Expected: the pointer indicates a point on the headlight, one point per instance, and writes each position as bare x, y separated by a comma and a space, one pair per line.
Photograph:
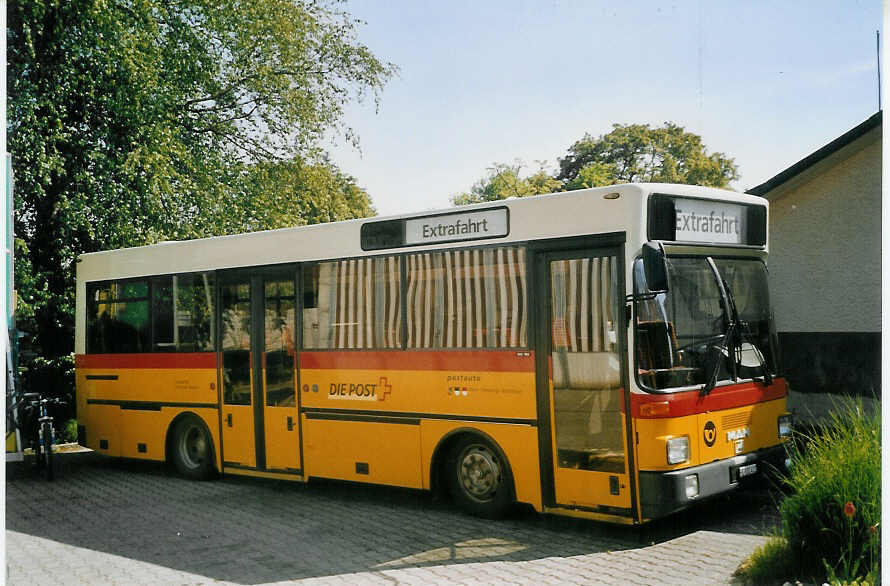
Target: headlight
785, 425
678, 449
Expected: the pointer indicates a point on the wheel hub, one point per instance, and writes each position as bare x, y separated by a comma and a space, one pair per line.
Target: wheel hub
479, 472
193, 447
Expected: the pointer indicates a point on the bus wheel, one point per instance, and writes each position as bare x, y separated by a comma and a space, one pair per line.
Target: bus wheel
192, 450
480, 480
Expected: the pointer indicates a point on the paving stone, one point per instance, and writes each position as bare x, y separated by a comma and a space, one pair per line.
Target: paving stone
136, 523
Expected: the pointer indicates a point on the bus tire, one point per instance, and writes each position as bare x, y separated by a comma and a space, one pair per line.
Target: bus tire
480, 479
192, 449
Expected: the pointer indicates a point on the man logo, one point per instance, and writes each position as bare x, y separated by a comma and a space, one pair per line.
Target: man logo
710, 433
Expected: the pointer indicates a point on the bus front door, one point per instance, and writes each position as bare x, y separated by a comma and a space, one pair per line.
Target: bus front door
260, 423
580, 381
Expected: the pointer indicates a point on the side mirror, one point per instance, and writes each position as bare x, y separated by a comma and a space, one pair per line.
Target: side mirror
654, 266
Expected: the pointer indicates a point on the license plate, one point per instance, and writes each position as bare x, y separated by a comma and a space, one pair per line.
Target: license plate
747, 470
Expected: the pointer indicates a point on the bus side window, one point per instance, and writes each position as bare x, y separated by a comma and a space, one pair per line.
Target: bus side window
118, 319
310, 307
467, 299
182, 313
352, 304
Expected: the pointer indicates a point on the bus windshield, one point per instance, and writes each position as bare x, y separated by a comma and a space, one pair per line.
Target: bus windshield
712, 325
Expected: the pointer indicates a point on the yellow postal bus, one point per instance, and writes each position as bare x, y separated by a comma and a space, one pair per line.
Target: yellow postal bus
606, 353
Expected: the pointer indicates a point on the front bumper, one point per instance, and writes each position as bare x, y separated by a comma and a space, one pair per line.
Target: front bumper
662, 493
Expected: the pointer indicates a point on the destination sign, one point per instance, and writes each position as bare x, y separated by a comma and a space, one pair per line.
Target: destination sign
438, 228
454, 227
699, 220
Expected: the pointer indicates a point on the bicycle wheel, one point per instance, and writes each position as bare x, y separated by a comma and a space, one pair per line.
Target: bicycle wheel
37, 445
47, 433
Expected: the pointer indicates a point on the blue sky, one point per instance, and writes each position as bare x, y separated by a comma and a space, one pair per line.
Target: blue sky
492, 81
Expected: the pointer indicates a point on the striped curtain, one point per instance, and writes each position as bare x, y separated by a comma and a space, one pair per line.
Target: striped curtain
583, 295
467, 299
359, 303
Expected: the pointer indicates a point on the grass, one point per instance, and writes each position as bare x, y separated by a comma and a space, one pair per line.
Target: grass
769, 564
831, 514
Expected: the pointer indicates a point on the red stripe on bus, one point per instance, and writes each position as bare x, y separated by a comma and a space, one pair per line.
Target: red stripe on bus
463, 360
473, 360
153, 360
692, 402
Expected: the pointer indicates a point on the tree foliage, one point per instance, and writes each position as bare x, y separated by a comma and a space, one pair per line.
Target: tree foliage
637, 153
135, 121
503, 181
629, 153
292, 193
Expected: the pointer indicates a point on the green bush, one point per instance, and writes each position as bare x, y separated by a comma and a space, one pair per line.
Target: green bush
68, 432
51, 377
831, 518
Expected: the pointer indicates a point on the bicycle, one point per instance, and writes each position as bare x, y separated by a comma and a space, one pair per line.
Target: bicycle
39, 423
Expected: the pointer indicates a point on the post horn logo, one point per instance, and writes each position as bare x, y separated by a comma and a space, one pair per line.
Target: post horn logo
710, 433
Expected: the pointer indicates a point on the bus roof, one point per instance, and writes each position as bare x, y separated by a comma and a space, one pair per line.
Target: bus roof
571, 213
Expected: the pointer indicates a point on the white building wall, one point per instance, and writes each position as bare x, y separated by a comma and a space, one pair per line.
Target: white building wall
825, 243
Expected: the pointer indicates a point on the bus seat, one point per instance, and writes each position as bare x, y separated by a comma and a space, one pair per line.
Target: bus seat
656, 345
586, 370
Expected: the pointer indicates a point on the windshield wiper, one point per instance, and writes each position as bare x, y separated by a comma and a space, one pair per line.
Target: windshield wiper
732, 320
713, 354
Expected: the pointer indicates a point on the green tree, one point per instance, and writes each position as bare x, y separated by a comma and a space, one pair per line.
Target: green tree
292, 193
629, 153
637, 153
593, 174
135, 121
503, 181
